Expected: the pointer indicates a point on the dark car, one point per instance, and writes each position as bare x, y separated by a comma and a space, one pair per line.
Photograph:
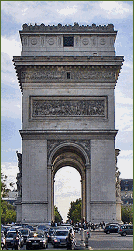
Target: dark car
126, 229
111, 228
60, 238
36, 240
10, 239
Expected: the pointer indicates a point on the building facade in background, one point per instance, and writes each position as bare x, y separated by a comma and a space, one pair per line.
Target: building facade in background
127, 191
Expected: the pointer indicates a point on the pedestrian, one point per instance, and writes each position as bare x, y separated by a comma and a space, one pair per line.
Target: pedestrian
70, 240
16, 241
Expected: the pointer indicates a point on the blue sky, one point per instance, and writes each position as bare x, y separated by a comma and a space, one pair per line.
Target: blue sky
16, 13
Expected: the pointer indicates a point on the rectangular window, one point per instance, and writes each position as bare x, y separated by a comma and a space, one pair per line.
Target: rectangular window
68, 75
68, 41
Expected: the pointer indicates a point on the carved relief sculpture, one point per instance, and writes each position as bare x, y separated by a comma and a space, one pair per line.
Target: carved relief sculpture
19, 175
69, 107
117, 174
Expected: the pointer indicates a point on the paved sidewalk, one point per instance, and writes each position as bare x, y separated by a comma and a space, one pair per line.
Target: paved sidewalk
80, 243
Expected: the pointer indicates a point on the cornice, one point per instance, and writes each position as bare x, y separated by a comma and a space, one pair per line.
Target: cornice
85, 134
57, 59
35, 66
29, 28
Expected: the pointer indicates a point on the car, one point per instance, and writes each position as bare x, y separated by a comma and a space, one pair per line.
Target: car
126, 229
60, 238
10, 239
6, 228
25, 233
37, 239
111, 228
3, 240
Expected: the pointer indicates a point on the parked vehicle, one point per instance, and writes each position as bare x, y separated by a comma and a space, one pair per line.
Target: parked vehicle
6, 228
25, 233
3, 240
111, 228
126, 229
37, 239
60, 238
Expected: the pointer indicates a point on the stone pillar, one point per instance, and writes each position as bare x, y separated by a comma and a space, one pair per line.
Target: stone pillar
88, 192
34, 181
103, 201
49, 192
83, 197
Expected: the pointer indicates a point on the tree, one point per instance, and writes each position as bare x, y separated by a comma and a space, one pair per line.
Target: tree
74, 213
127, 213
57, 215
4, 189
8, 213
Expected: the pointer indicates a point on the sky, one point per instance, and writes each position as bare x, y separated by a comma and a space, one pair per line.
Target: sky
16, 13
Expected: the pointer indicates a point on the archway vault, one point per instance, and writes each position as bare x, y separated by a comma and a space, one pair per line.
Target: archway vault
74, 155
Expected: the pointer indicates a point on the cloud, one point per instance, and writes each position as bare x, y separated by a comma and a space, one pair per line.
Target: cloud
68, 10
125, 167
126, 154
116, 9
47, 11
123, 118
10, 169
64, 181
65, 189
11, 46
11, 108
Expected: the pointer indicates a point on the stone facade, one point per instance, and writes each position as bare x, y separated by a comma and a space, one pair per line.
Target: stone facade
67, 76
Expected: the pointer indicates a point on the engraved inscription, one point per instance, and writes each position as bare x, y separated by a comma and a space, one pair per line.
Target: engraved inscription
60, 74
68, 108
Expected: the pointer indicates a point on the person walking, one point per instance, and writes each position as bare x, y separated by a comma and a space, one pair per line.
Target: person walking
70, 240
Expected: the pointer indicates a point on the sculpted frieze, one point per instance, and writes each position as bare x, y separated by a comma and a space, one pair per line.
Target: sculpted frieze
60, 74
57, 107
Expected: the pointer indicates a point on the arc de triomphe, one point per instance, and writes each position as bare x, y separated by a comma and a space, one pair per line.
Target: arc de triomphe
67, 76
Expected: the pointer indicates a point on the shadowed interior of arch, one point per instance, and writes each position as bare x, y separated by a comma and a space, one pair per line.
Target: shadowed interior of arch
67, 188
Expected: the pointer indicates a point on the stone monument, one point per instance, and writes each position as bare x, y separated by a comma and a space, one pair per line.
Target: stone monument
67, 76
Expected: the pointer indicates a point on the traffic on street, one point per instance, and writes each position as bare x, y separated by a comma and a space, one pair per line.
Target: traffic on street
46, 237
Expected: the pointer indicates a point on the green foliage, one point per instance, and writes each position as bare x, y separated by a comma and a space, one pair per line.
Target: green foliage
74, 213
4, 189
57, 215
8, 213
127, 213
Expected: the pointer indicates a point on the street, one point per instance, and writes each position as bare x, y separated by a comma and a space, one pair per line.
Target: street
101, 241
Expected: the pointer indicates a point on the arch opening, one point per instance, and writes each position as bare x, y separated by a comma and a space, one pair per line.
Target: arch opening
67, 188
73, 156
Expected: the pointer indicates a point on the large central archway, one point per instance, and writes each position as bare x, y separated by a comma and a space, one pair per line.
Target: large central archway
70, 154
67, 189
